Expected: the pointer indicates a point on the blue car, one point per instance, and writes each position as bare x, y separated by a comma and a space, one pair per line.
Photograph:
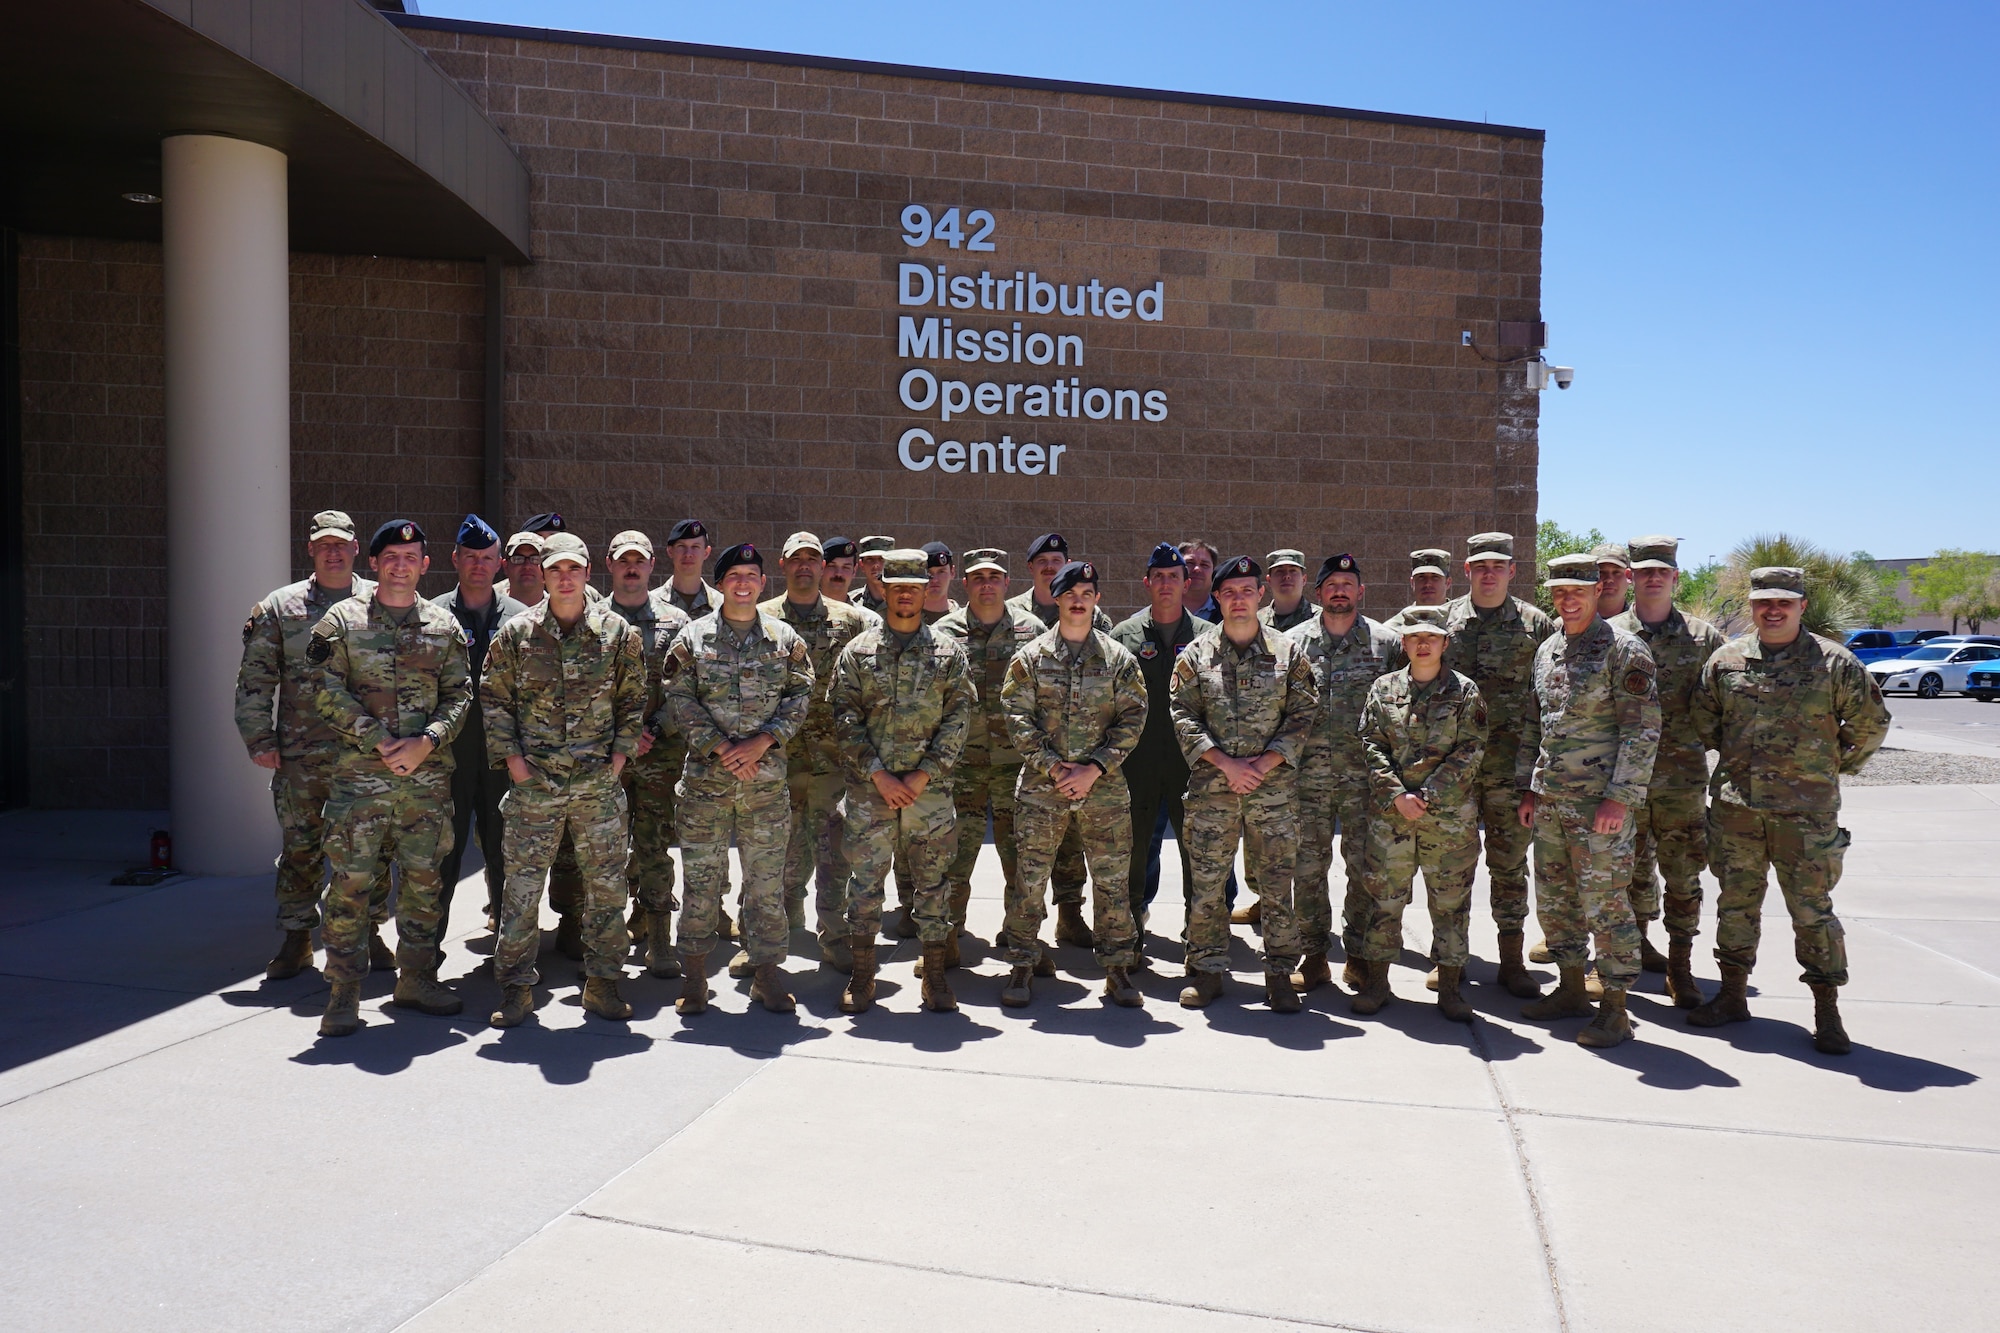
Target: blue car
1879, 645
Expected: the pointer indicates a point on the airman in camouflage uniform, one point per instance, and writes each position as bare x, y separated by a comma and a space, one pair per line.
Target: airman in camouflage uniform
1788, 712
1423, 741
1333, 772
275, 714
1596, 734
1430, 582
1279, 578
1074, 703
869, 553
395, 686
739, 687
1249, 705
564, 707
902, 708
1494, 645
1672, 824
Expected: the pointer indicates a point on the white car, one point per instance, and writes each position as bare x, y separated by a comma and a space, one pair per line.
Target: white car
1932, 669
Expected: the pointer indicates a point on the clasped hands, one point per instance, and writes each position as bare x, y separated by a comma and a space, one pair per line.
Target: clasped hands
1244, 775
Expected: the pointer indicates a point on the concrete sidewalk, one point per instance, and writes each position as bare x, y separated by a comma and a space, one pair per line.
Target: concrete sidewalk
179, 1150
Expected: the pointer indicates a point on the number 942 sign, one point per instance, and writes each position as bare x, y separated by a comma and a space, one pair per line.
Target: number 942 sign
920, 228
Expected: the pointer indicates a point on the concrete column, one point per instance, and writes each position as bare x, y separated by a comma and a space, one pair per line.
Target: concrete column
228, 397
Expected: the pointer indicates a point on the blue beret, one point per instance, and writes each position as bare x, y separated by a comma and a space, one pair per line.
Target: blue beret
1048, 541
475, 535
545, 523
1242, 567
837, 548
1071, 574
1337, 564
741, 554
936, 555
396, 532
1166, 556
688, 529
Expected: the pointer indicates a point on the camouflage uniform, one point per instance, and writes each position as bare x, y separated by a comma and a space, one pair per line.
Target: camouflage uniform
1071, 703
900, 708
694, 605
1671, 824
1246, 701
476, 788
1594, 739
812, 763
565, 701
1333, 776
866, 600
1304, 613
990, 766
649, 778
1787, 723
275, 712
1425, 740
727, 683
1066, 881
1496, 650
384, 678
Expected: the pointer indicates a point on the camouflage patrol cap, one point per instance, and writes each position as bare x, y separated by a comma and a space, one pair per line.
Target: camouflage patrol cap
803, 541
876, 546
985, 557
1611, 553
331, 523
905, 566
1431, 560
1287, 557
631, 540
560, 546
1491, 546
1423, 620
1572, 571
1772, 581
1655, 552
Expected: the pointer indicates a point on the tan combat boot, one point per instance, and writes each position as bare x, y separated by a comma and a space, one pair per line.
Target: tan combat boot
694, 986
662, 959
294, 956
1020, 988
1045, 966
1650, 959
1829, 1036
906, 925
1431, 977
569, 937
1593, 985
937, 990
1730, 1005
1250, 914
769, 989
418, 989
1514, 976
1118, 989
635, 924
1450, 1003
1567, 1000
515, 1006
740, 965
1355, 975
343, 1010
1278, 992
1313, 972
838, 953
1680, 974
1071, 928
860, 992
1374, 992
1611, 1026
600, 997
951, 958
1202, 989
381, 958
1540, 953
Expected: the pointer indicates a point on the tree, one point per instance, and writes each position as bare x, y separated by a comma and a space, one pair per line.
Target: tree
1881, 608
1951, 583
1836, 589
1695, 593
1978, 606
1552, 540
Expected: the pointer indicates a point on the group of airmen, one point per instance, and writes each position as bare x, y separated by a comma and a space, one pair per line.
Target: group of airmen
861, 725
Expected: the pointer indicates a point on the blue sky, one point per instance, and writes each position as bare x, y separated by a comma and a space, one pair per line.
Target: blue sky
1771, 248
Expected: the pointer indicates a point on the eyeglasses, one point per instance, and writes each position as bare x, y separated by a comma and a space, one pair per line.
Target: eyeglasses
524, 560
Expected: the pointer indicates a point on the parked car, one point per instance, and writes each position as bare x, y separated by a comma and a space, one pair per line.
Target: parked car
1983, 682
1941, 666
1879, 645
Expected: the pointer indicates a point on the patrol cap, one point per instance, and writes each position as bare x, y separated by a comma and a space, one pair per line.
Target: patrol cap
1242, 567
688, 529
549, 522
803, 541
1572, 571
396, 532
631, 540
985, 557
560, 546
1656, 552
1047, 542
531, 540
1491, 546
1430, 560
837, 548
743, 553
331, 523
1771, 581
1071, 574
1167, 556
1423, 620
1296, 559
1611, 553
876, 546
936, 555
904, 565
1337, 564
476, 534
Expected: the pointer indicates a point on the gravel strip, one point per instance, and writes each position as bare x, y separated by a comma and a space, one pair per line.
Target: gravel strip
1921, 768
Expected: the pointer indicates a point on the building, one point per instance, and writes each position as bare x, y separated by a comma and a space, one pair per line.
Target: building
273, 258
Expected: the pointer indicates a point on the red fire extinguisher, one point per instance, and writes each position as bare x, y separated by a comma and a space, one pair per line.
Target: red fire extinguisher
163, 849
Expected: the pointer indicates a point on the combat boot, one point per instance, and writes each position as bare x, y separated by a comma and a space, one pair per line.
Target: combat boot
600, 997
662, 959
381, 958
838, 953
1355, 975
1540, 953
1070, 927
937, 991
906, 925
860, 992
1730, 1005
1829, 1036
1650, 959
1611, 1026
1431, 977
1450, 1003
1567, 1000
769, 989
569, 937
795, 912
1513, 977
294, 956
1202, 989
418, 989
1020, 988
1313, 973
1250, 914
1593, 985
343, 1010
951, 958
1680, 974
1278, 992
635, 924
724, 926
694, 986
1374, 992
1045, 966
740, 965
1118, 989
515, 1006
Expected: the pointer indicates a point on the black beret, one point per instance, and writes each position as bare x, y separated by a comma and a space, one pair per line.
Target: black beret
688, 529
545, 524
837, 548
1166, 556
396, 532
1071, 574
936, 555
476, 534
1337, 564
742, 553
1048, 541
1242, 567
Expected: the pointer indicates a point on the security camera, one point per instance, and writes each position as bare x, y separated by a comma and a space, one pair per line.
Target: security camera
1562, 375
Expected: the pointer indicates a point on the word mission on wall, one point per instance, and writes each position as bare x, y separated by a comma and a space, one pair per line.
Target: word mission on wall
1002, 345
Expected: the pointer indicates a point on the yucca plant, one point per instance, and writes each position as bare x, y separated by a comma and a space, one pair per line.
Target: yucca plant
1837, 590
